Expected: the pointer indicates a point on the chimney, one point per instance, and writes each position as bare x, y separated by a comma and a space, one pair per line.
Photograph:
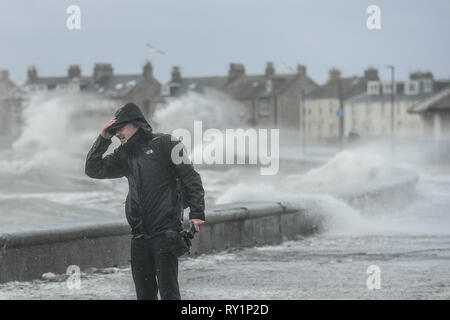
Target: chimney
334, 74
270, 70
176, 74
4, 75
74, 71
420, 75
101, 70
148, 71
301, 70
32, 74
371, 74
236, 70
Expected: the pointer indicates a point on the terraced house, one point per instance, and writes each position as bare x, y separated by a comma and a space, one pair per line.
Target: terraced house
434, 112
369, 113
323, 121
269, 99
108, 89
114, 90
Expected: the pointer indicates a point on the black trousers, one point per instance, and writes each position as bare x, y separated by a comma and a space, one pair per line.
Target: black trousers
153, 267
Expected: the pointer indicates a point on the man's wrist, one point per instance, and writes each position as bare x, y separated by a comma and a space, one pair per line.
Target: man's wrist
197, 215
105, 137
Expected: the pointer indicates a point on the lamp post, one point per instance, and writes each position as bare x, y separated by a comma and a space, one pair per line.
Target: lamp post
340, 114
392, 68
303, 120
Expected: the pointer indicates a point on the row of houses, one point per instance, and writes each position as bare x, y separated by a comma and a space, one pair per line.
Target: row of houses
363, 106
342, 106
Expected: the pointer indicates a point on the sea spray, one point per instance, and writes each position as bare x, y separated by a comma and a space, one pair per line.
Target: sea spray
307, 191
214, 109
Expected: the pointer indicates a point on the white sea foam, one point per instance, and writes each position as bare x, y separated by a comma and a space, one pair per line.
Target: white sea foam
49, 142
348, 168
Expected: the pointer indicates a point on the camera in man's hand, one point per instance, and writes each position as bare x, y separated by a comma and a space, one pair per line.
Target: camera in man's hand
179, 243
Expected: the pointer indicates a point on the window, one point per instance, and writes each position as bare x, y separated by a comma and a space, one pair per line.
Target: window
165, 90
264, 108
387, 88
173, 89
269, 85
411, 87
427, 86
373, 87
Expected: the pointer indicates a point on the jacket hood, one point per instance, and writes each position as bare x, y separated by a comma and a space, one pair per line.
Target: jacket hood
130, 113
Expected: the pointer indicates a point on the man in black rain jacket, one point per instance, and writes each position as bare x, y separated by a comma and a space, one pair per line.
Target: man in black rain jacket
154, 203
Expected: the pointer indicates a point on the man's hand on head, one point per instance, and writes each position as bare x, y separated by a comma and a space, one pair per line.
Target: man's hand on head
197, 223
105, 134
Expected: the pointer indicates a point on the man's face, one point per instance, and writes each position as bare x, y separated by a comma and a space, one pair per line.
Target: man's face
126, 132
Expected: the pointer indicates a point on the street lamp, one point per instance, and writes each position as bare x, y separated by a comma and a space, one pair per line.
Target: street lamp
303, 120
392, 68
340, 114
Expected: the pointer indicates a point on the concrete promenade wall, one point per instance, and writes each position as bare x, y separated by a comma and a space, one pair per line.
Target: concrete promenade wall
27, 255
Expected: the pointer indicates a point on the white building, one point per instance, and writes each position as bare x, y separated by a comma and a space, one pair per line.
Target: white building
323, 121
369, 113
434, 113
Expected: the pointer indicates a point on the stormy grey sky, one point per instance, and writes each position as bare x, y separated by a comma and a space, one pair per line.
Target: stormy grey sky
204, 36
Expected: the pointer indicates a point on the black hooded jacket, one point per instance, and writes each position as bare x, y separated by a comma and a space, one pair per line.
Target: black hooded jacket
153, 203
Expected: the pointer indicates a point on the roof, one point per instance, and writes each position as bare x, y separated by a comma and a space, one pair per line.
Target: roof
350, 86
114, 85
51, 82
257, 86
364, 97
439, 85
439, 101
241, 87
198, 84
385, 98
